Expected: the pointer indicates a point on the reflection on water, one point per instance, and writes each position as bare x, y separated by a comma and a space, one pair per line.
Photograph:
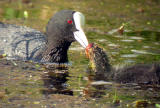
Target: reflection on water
129, 55
22, 83
130, 91
147, 34
55, 80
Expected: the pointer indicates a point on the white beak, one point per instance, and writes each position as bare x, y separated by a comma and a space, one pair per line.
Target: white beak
81, 38
79, 35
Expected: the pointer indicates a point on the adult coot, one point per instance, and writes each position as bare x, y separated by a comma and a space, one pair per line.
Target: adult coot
25, 43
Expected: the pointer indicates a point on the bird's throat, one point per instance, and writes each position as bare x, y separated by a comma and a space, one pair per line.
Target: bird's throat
56, 54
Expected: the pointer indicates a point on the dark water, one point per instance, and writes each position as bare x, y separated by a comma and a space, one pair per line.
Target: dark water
27, 84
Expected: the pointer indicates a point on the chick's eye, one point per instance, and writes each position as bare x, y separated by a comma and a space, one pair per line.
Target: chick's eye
69, 21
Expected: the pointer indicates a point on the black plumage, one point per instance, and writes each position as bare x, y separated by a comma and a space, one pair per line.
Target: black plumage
29, 44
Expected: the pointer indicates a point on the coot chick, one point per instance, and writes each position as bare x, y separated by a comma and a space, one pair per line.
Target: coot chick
139, 73
24, 43
99, 63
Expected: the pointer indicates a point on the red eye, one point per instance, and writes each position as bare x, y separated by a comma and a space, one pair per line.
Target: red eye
70, 21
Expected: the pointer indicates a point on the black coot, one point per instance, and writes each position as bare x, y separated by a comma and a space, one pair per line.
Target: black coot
25, 43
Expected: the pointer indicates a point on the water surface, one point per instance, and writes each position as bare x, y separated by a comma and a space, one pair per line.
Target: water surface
24, 84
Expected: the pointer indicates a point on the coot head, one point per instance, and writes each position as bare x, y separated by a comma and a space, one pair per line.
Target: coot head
63, 28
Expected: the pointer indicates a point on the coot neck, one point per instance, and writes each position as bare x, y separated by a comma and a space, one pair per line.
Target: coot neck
56, 52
